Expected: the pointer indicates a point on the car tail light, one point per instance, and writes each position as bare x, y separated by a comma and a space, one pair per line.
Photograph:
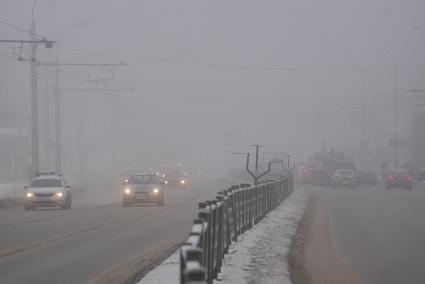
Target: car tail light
391, 178
409, 178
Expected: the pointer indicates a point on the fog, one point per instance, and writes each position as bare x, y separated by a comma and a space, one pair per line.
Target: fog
203, 79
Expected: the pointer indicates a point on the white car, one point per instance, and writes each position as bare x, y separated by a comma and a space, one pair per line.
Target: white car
48, 190
344, 177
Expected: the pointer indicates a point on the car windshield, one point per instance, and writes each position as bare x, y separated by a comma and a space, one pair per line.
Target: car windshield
46, 182
142, 179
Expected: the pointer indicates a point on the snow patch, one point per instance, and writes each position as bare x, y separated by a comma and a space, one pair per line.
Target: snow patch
259, 255
167, 272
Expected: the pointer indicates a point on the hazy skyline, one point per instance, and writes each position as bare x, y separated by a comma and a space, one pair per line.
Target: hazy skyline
212, 77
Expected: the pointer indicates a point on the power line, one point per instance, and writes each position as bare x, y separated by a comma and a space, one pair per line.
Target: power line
21, 29
273, 67
90, 52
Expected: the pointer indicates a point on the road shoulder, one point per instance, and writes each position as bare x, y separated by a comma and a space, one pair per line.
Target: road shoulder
314, 258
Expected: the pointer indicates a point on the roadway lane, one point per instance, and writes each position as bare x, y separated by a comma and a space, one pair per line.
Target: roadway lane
377, 235
95, 244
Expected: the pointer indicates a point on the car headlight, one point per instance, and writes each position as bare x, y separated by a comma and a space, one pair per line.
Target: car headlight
127, 191
155, 190
163, 175
30, 194
59, 194
183, 181
166, 182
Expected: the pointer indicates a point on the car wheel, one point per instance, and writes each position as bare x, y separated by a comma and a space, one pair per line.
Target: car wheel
409, 188
27, 208
69, 203
125, 204
65, 204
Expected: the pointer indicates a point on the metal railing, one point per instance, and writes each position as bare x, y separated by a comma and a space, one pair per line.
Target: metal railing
221, 221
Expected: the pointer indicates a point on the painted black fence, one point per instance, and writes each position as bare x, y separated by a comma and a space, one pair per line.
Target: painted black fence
221, 221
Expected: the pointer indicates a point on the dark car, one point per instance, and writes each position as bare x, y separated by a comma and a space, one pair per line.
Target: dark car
142, 188
344, 177
399, 179
367, 177
175, 178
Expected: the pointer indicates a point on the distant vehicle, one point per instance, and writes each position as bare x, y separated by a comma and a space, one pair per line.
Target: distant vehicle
344, 177
324, 164
367, 177
48, 190
304, 173
142, 188
419, 174
399, 179
175, 178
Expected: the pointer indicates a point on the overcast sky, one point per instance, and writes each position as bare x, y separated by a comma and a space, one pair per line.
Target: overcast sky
212, 77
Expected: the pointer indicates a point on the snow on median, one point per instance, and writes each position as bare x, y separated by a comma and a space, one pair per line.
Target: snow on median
259, 255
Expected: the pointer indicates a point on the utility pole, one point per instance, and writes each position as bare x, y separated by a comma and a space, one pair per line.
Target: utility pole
47, 138
58, 145
364, 145
257, 149
58, 95
396, 142
34, 100
35, 149
255, 175
81, 156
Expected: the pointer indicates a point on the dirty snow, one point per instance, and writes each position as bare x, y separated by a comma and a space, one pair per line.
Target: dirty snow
167, 272
259, 255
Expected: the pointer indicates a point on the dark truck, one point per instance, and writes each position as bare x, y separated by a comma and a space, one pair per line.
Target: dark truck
324, 166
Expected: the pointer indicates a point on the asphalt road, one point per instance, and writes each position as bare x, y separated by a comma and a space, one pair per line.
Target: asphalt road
375, 236
98, 243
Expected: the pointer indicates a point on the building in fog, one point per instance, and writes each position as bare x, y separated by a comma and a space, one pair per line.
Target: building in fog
14, 155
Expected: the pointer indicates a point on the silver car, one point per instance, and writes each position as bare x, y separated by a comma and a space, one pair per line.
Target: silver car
142, 188
48, 190
344, 177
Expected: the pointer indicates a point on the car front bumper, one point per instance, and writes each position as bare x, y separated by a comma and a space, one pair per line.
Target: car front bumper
45, 201
143, 197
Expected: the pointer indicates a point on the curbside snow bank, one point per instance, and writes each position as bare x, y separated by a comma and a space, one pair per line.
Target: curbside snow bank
259, 255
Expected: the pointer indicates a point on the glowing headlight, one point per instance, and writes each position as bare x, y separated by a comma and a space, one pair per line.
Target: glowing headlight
127, 191
183, 181
155, 190
30, 194
59, 194
163, 175
166, 182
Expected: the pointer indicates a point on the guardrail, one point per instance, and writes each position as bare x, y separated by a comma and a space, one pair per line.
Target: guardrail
221, 221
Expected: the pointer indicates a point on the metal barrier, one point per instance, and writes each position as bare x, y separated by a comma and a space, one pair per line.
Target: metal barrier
221, 221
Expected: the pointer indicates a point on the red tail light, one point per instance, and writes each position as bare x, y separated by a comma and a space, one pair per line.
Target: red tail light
391, 178
409, 178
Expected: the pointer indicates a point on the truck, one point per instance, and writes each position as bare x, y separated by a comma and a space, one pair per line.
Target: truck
324, 164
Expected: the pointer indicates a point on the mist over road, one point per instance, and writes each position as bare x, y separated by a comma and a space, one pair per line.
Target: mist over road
95, 243
367, 235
